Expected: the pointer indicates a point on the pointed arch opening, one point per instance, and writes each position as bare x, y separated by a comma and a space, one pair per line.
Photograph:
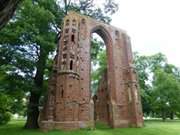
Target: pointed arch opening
100, 42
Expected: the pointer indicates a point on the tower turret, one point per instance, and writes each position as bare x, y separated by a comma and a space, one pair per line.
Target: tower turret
67, 92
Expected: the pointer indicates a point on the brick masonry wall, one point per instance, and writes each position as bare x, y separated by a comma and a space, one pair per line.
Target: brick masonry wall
69, 104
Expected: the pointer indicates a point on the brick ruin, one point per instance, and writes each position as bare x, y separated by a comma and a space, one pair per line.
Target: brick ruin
101, 101
69, 104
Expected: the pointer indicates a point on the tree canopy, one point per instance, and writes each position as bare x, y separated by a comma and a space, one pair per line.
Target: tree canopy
159, 85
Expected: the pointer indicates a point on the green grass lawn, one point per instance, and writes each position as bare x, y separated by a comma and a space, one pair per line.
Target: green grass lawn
150, 128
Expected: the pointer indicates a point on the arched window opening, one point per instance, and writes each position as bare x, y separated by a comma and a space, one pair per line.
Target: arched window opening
72, 38
71, 65
66, 30
67, 22
83, 21
74, 22
62, 93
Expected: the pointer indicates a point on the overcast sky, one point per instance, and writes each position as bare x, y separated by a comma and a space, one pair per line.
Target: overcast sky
153, 25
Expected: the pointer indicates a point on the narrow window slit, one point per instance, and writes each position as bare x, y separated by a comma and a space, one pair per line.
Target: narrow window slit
72, 38
71, 65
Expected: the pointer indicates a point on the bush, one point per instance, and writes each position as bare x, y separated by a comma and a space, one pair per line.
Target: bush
5, 104
4, 117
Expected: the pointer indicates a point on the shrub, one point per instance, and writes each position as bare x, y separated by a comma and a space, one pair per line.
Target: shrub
4, 109
4, 117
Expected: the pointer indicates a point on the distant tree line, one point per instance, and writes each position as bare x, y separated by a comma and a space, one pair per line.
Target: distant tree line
159, 86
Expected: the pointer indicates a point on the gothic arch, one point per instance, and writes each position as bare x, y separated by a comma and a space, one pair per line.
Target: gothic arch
102, 32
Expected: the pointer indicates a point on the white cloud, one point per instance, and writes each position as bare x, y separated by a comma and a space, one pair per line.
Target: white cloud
153, 25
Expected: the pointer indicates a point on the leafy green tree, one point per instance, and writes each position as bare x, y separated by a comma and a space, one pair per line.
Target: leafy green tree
12, 84
146, 66
157, 61
165, 93
5, 115
99, 66
154, 89
142, 64
31, 37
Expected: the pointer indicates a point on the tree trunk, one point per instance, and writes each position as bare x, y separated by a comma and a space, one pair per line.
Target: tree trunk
65, 6
171, 115
33, 111
7, 8
163, 115
33, 107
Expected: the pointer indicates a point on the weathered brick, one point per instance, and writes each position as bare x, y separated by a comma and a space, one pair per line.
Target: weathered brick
69, 104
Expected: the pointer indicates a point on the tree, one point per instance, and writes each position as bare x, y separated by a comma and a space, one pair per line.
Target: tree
165, 93
159, 85
98, 63
33, 35
5, 102
13, 83
146, 67
142, 64
31, 38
